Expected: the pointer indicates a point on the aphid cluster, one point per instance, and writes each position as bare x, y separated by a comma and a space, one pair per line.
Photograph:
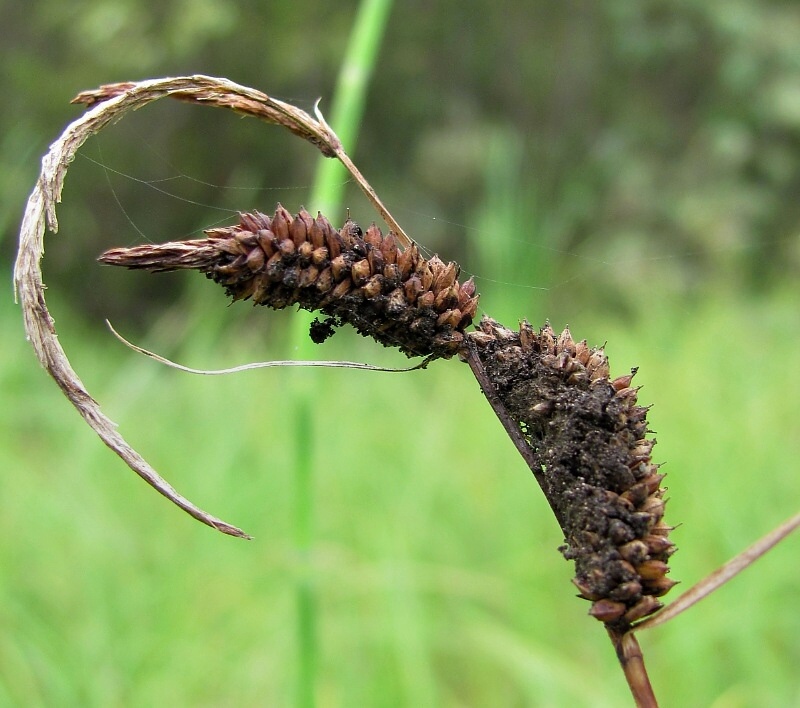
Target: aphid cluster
589, 439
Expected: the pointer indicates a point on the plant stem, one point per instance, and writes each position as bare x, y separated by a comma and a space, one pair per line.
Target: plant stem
326, 196
632, 662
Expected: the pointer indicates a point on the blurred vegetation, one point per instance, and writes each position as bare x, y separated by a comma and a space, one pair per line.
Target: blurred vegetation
632, 168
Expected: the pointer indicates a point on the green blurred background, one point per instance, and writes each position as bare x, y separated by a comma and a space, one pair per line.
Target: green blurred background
632, 169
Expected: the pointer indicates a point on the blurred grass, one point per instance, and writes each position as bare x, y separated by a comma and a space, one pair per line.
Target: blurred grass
326, 194
625, 213
437, 574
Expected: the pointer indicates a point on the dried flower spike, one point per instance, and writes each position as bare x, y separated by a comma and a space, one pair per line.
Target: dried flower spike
581, 432
585, 441
397, 297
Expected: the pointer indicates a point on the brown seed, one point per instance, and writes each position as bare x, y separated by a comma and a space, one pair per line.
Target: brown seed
626, 591
565, 343
628, 393
246, 238
256, 259
266, 239
315, 234
389, 248
585, 591
444, 278
653, 481
470, 308
446, 298
304, 251
286, 247
623, 381
249, 222
297, 231
647, 605
425, 273
339, 268
654, 506
547, 339
375, 258
634, 552
262, 285
659, 545
325, 281
449, 318
373, 236
637, 494
349, 232
341, 289
652, 569
406, 261
360, 272
426, 299
274, 267
319, 256
582, 352
332, 239
527, 337
308, 276
392, 273
373, 287
396, 303
597, 364
607, 610
413, 288
231, 246
280, 223
660, 586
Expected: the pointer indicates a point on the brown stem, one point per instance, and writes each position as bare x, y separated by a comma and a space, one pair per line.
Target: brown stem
631, 660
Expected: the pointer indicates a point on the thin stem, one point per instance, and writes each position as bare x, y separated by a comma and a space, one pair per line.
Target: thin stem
349, 99
631, 660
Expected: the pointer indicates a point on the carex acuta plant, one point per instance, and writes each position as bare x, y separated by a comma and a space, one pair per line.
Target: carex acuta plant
580, 428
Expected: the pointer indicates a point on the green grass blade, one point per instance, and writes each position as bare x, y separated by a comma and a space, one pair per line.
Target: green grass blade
327, 193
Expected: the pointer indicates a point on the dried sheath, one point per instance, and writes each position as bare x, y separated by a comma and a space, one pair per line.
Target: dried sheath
364, 279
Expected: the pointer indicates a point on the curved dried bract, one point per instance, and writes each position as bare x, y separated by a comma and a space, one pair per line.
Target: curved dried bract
585, 438
109, 104
364, 279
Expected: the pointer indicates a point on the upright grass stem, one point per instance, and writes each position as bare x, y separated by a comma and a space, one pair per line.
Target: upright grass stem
326, 196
